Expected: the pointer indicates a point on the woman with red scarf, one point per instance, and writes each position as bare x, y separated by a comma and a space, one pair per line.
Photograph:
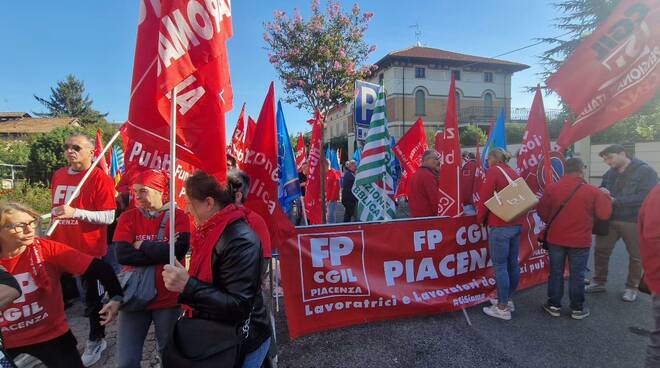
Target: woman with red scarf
35, 323
226, 268
141, 240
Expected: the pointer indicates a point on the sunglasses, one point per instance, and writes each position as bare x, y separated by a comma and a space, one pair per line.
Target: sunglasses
74, 147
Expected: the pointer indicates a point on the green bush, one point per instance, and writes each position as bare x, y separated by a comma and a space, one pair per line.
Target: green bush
14, 153
470, 135
36, 196
514, 132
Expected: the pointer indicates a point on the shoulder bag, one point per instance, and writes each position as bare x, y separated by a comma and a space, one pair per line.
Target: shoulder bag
512, 201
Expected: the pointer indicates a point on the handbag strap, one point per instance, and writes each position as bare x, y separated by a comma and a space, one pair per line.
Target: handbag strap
508, 178
561, 207
163, 224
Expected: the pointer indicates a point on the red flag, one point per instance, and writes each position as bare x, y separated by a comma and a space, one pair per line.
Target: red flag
98, 148
238, 139
450, 172
439, 141
409, 151
251, 131
260, 165
301, 155
479, 176
534, 156
182, 43
613, 72
313, 206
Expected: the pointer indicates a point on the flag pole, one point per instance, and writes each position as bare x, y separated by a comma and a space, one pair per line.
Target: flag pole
172, 235
302, 205
75, 193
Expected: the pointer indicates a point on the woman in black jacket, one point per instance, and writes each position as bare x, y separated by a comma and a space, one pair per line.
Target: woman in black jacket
224, 280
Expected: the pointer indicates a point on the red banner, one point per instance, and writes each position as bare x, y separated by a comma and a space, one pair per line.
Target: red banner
479, 176
98, 148
301, 155
237, 146
182, 43
534, 156
613, 72
409, 150
449, 203
313, 206
261, 166
251, 131
336, 276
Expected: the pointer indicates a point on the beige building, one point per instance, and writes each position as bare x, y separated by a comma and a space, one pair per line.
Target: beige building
21, 125
416, 82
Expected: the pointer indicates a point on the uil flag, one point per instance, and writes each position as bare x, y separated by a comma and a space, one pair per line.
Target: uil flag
496, 138
449, 192
301, 155
261, 165
238, 139
409, 151
618, 69
534, 157
289, 185
182, 44
313, 200
98, 148
479, 176
374, 186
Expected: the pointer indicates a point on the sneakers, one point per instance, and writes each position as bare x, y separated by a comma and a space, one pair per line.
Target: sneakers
93, 351
552, 310
594, 288
580, 314
629, 295
496, 312
512, 307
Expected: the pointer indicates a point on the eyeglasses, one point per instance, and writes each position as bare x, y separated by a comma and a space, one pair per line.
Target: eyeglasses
74, 147
21, 227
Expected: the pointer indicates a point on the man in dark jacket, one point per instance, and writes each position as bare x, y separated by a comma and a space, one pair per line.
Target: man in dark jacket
423, 186
347, 198
628, 182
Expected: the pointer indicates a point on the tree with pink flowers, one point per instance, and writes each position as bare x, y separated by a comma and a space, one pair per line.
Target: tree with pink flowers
318, 59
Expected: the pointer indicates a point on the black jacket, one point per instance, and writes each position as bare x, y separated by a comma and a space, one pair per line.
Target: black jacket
238, 268
629, 189
346, 187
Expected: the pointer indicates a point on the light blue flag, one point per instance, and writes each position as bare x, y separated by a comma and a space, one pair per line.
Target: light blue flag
289, 186
334, 161
497, 138
357, 155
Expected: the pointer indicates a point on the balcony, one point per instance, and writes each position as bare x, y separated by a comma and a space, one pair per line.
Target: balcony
482, 115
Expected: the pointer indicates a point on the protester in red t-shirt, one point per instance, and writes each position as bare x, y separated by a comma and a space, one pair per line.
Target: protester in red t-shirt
423, 186
83, 224
468, 170
649, 248
35, 323
141, 239
332, 188
569, 234
503, 237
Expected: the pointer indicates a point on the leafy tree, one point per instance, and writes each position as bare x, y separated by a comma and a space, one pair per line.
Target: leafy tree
66, 100
514, 132
319, 59
47, 154
36, 196
470, 135
15, 153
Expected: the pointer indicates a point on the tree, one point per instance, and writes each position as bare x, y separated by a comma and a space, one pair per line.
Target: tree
470, 135
319, 59
66, 100
14, 153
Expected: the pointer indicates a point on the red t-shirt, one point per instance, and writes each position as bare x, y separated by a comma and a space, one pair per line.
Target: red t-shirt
332, 186
649, 239
259, 226
97, 194
133, 226
423, 193
494, 182
38, 315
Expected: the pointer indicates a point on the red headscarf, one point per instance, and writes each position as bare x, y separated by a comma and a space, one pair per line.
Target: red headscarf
154, 179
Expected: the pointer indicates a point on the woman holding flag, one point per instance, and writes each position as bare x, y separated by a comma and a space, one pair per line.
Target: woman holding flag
141, 242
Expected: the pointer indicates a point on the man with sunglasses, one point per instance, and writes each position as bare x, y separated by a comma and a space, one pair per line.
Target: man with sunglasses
83, 224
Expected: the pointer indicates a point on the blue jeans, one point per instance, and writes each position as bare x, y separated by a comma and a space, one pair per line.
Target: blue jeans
332, 212
504, 247
577, 263
255, 358
133, 329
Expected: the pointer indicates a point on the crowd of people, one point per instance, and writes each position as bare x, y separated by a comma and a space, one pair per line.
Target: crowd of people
213, 312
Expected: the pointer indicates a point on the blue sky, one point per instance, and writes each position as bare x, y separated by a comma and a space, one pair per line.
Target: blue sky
43, 41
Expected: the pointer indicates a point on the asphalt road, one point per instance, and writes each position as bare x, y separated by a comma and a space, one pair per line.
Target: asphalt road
613, 336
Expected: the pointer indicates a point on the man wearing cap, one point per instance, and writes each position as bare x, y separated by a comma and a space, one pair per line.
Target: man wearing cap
627, 182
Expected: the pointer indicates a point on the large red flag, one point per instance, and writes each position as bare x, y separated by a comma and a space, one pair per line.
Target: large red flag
409, 150
260, 165
251, 131
449, 195
534, 157
439, 141
182, 43
301, 155
613, 72
98, 148
313, 201
479, 176
238, 139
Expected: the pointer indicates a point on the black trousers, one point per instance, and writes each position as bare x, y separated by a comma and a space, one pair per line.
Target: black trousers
93, 304
60, 352
349, 211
